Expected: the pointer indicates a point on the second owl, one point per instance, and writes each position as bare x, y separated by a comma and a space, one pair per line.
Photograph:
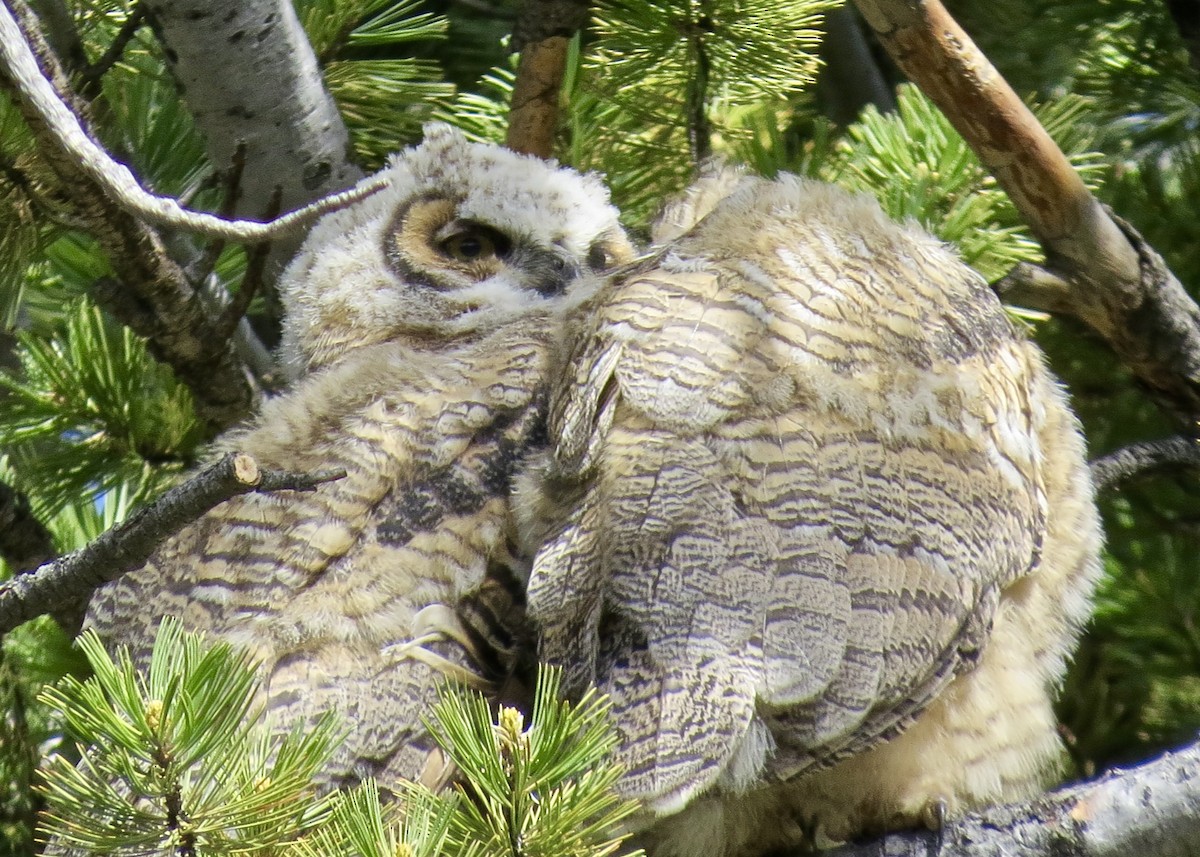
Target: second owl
816, 517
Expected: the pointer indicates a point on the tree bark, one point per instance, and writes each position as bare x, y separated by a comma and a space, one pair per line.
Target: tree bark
542, 34
1151, 811
249, 76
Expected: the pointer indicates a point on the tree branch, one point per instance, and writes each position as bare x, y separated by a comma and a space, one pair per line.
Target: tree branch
1123, 464
61, 128
1103, 272
543, 31
128, 545
1152, 811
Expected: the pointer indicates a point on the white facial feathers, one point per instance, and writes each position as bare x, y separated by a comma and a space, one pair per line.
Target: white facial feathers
350, 285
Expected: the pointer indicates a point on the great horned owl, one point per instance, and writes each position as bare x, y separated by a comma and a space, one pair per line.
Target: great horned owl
417, 324
816, 517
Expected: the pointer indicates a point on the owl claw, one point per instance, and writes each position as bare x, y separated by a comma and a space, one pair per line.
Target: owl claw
437, 623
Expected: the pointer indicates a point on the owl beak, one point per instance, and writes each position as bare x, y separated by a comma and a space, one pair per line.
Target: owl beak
545, 271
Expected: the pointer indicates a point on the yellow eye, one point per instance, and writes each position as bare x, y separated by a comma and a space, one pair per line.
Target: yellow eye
474, 243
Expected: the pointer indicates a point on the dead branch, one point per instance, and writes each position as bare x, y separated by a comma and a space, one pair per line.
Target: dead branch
1097, 267
1152, 810
542, 33
128, 545
61, 128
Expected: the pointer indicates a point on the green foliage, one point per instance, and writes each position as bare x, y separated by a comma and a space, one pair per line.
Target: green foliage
93, 388
664, 79
360, 825
177, 758
919, 168
384, 98
535, 792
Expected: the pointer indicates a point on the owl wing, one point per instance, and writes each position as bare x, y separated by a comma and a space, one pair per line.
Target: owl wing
799, 467
362, 595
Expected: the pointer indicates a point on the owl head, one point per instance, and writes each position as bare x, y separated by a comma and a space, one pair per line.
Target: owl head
465, 236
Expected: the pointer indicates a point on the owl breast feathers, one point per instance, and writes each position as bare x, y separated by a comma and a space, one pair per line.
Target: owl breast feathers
816, 517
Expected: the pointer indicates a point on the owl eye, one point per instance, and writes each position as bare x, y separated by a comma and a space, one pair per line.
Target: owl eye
473, 242
599, 257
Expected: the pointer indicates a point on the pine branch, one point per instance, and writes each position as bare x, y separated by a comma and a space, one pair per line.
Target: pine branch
128, 545
1098, 268
1124, 464
1152, 811
543, 32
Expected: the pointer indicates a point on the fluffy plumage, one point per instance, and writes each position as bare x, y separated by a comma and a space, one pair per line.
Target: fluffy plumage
417, 322
816, 517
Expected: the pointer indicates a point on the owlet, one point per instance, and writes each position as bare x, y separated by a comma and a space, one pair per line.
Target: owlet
818, 519
417, 328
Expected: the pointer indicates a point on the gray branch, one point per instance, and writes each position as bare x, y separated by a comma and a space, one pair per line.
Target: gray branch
1151, 811
19, 65
128, 545
1133, 460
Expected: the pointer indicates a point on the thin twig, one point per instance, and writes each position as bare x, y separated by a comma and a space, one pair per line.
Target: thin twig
231, 180
18, 63
128, 545
1138, 458
257, 257
93, 74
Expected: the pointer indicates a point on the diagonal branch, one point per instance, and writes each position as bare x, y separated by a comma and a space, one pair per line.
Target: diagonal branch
1097, 267
59, 126
1151, 455
128, 545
